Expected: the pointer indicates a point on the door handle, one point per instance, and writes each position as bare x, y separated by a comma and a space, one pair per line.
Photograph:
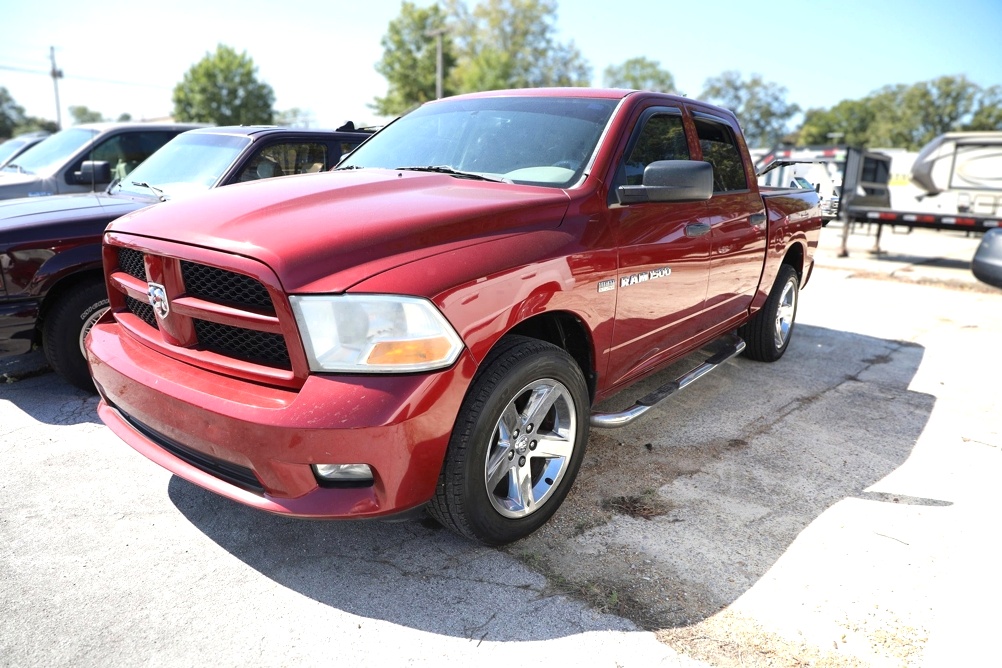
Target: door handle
693, 230
756, 219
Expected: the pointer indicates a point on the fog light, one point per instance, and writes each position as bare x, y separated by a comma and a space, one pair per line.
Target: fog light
357, 473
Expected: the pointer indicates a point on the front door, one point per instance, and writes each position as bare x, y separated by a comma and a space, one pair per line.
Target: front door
663, 255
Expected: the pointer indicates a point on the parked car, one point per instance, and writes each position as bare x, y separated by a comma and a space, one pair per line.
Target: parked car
431, 324
51, 287
15, 146
987, 262
84, 158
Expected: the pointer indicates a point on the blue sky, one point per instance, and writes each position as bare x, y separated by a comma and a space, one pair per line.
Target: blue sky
126, 57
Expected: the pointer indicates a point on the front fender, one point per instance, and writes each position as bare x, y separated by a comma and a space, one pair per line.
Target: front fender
487, 289
80, 259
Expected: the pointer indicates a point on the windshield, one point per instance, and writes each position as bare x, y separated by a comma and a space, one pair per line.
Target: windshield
191, 162
9, 148
49, 154
544, 141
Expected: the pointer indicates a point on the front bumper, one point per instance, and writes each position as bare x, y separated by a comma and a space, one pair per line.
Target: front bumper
255, 444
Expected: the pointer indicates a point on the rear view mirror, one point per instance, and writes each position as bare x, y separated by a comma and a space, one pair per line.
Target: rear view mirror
671, 181
987, 263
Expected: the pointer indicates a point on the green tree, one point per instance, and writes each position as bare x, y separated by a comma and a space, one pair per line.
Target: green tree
640, 74
512, 44
11, 114
410, 56
848, 122
760, 106
908, 116
35, 124
223, 88
987, 113
82, 114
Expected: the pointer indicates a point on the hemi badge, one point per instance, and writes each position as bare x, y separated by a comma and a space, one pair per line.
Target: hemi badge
606, 286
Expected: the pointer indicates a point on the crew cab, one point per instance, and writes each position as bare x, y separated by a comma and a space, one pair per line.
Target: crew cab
430, 324
51, 282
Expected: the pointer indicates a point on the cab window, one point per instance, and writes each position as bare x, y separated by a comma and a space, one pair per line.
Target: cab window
662, 137
720, 149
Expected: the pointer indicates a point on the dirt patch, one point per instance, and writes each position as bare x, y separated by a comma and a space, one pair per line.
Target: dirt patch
620, 482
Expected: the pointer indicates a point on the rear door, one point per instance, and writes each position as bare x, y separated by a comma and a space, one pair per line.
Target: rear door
737, 218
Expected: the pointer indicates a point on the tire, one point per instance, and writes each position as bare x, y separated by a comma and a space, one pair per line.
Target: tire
768, 333
511, 459
65, 327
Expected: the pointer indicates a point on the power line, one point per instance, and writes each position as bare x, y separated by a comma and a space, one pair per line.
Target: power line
91, 79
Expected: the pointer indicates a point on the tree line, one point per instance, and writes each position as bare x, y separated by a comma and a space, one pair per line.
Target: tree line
512, 44
497, 44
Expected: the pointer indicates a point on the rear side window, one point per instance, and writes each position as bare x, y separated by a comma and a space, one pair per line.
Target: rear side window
286, 159
720, 149
661, 138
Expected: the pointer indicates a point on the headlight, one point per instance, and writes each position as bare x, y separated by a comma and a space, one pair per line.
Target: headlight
374, 333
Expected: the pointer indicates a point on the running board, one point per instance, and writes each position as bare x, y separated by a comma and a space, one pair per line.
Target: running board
732, 345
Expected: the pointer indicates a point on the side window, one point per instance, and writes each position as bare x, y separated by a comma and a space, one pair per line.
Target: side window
716, 140
285, 159
662, 138
126, 150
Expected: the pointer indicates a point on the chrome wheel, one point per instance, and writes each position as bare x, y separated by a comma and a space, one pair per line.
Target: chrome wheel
785, 312
530, 448
87, 325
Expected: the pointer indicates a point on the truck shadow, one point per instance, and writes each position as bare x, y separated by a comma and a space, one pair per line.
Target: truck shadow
726, 477
47, 398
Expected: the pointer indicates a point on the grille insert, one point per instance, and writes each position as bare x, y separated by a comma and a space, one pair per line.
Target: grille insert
224, 286
143, 311
131, 262
246, 344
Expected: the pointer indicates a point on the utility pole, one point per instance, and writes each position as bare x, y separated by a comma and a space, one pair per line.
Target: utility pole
56, 74
437, 34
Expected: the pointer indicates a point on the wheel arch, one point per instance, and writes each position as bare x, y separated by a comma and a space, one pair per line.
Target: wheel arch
566, 331
794, 257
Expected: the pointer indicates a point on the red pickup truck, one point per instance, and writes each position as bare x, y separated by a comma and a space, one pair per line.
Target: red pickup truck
429, 325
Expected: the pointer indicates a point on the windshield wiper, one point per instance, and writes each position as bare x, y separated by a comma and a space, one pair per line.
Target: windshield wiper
15, 168
156, 191
339, 169
444, 169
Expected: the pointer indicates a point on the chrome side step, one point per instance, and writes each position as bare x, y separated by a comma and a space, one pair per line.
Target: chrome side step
731, 344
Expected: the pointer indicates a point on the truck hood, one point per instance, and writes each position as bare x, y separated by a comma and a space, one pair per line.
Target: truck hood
325, 232
23, 217
14, 184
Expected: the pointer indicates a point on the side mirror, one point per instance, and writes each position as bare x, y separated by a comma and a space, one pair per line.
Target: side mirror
671, 181
987, 262
93, 172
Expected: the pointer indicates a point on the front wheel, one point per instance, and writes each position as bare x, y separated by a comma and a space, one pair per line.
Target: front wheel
66, 327
517, 444
768, 333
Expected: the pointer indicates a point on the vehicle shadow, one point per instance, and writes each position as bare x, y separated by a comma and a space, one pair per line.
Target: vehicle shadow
735, 468
47, 398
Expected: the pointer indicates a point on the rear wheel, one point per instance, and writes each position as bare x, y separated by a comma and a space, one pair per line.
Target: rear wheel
517, 445
66, 327
768, 333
